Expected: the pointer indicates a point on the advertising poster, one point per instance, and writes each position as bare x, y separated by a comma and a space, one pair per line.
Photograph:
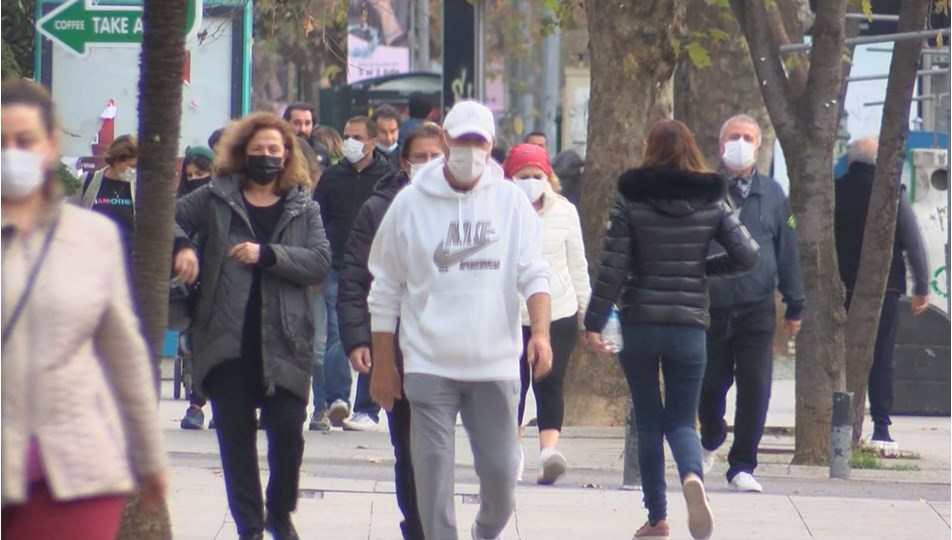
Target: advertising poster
377, 38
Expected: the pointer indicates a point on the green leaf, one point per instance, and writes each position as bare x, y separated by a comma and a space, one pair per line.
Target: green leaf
698, 55
718, 35
868, 9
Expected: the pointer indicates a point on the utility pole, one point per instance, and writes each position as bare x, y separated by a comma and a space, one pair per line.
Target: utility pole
527, 110
551, 76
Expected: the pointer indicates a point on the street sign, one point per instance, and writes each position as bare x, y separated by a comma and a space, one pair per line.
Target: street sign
78, 25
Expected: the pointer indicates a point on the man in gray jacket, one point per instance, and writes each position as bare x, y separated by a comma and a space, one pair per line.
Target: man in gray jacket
743, 312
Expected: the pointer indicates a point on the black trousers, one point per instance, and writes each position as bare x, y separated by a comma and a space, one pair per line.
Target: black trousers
739, 346
235, 391
548, 391
881, 372
399, 420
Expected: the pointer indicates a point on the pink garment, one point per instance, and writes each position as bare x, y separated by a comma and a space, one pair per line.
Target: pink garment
34, 463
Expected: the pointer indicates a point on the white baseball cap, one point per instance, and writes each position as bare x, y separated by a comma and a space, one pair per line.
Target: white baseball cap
470, 117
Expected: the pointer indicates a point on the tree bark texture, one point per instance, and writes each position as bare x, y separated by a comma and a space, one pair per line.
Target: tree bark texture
705, 97
634, 50
880, 231
805, 123
160, 113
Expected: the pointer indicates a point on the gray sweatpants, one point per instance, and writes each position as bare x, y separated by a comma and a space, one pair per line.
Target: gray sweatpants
488, 410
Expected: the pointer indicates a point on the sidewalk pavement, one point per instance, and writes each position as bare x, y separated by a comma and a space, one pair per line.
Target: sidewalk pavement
347, 488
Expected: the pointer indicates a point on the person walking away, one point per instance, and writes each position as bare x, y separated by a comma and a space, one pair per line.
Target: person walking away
743, 310
422, 145
80, 411
196, 172
852, 203
449, 260
388, 123
343, 189
655, 259
111, 191
562, 247
419, 110
330, 139
263, 247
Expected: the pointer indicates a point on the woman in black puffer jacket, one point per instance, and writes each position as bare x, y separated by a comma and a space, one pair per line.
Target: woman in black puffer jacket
654, 258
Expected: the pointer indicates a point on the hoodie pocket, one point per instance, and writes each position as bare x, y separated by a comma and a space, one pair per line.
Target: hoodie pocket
466, 326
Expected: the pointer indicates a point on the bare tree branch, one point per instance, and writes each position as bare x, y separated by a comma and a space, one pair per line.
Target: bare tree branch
826, 59
787, 22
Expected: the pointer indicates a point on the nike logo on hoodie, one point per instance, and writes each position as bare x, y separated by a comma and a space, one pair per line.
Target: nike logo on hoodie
445, 258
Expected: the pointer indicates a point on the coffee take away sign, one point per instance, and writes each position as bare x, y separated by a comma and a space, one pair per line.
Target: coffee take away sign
78, 25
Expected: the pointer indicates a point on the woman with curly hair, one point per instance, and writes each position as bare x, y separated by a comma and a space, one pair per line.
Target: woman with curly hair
263, 247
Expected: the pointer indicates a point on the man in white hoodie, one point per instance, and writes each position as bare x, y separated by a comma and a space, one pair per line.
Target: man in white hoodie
450, 258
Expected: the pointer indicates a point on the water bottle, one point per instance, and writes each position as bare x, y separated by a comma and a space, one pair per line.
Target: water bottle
611, 335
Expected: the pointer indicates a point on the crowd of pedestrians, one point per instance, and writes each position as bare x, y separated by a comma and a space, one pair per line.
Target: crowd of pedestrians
451, 282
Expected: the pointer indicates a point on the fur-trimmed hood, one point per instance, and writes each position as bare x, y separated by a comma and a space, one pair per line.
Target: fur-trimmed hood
670, 191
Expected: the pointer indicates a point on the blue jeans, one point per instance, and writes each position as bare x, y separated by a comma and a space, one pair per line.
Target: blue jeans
681, 352
363, 403
320, 341
337, 377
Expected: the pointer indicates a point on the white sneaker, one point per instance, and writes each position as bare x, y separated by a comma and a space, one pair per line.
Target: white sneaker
708, 457
551, 466
360, 422
338, 412
521, 467
700, 518
745, 482
476, 537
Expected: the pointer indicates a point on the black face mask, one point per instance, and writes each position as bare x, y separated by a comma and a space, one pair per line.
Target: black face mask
192, 185
263, 169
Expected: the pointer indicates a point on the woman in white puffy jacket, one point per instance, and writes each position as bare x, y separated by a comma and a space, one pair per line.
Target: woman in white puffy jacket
528, 167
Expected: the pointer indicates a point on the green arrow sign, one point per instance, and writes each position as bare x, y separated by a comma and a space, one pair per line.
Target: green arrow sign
77, 25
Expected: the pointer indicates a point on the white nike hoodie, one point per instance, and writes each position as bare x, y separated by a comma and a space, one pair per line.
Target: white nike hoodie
451, 265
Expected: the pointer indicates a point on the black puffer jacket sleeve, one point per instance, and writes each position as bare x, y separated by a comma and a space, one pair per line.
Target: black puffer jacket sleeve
741, 250
353, 315
613, 268
308, 264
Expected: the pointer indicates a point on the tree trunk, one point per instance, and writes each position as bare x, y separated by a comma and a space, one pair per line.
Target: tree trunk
806, 122
880, 231
634, 49
705, 97
160, 113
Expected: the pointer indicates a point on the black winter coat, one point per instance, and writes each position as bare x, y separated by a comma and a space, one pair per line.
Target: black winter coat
655, 247
340, 193
353, 315
852, 204
300, 258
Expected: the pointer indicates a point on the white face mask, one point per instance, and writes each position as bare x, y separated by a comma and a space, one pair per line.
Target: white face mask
22, 173
467, 163
128, 175
739, 154
354, 150
533, 187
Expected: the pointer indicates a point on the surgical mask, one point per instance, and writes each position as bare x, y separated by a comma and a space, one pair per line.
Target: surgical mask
466, 163
22, 173
128, 175
415, 168
354, 150
739, 154
532, 186
387, 149
263, 169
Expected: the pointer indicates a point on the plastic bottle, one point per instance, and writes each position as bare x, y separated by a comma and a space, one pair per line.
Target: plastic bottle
611, 335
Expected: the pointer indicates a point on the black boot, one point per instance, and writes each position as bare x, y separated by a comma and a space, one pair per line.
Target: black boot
280, 527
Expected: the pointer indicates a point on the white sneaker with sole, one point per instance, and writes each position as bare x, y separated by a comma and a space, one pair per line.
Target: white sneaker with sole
360, 422
708, 457
745, 482
552, 466
700, 518
338, 412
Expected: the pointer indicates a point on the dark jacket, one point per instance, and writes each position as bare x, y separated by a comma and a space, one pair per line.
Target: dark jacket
340, 193
353, 315
655, 247
766, 215
301, 257
853, 190
568, 166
